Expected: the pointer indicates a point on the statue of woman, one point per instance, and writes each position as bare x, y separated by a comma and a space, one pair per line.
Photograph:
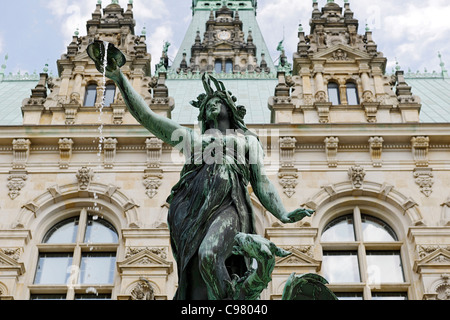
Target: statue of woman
210, 204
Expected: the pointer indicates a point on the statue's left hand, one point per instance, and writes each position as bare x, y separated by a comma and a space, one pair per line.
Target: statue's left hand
297, 215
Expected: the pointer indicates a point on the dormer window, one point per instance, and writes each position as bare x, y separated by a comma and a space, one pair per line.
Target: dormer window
333, 93
91, 95
352, 94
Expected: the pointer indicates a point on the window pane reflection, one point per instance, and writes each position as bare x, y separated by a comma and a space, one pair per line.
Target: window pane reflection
218, 66
352, 94
340, 229
228, 66
97, 268
109, 94
389, 296
340, 266
376, 230
333, 93
349, 295
100, 231
91, 95
53, 268
63, 232
384, 267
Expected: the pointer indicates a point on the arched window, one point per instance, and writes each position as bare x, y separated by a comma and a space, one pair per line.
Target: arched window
218, 66
352, 94
333, 93
110, 92
229, 66
91, 95
362, 258
77, 259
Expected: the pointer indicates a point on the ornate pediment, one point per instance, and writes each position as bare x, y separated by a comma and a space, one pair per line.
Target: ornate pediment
8, 263
341, 53
299, 257
438, 259
145, 259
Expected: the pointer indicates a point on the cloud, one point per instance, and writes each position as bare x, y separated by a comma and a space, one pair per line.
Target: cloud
70, 15
155, 42
276, 23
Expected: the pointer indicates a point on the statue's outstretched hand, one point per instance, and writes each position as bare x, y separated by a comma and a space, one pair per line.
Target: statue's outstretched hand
297, 215
96, 51
112, 69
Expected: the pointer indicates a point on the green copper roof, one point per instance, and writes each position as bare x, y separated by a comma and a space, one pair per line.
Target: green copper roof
12, 93
217, 4
434, 93
253, 94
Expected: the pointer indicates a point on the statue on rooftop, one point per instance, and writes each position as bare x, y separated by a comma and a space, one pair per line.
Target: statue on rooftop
210, 218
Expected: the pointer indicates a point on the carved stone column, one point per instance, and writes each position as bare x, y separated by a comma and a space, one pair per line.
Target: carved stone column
376, 149
153, 174
331, 148
65, 152
288, 173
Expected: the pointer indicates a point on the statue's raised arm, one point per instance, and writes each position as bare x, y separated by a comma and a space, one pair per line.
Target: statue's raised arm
160, 126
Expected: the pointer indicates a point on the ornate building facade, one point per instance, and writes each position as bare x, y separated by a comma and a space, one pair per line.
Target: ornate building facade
83, 211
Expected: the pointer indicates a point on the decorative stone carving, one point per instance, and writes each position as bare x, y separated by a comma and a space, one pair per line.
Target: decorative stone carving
287, 174
152, 182
420, 150
21, 151
356, 175
288, 180
424, 178
425, 250
16, 182
154, 152
84, 177
376, 148
443, 288
13, 253
323, 110
331, 146
65, 152
159, 251
287, 150
371, 110
339, 55
142, 290
110, 147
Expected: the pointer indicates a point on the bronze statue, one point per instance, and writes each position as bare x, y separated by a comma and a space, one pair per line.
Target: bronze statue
210, 206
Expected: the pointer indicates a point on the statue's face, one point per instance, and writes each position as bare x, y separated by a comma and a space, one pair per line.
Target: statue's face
216, 110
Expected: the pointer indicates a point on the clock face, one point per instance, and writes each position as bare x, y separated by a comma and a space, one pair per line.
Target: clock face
224, 35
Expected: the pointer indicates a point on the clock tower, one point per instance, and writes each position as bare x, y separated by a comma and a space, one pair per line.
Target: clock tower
221, 42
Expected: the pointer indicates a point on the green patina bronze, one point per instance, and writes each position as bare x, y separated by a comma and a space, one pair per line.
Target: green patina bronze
210, 218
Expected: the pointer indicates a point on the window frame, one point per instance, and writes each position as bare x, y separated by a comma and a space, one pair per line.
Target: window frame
355, 87
108, 87
362, 246
87, 89
332, 85
77, 249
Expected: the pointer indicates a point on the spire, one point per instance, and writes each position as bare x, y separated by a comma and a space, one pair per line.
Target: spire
442, 64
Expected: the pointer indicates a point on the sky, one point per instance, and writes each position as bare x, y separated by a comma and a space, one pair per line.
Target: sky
34, 33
